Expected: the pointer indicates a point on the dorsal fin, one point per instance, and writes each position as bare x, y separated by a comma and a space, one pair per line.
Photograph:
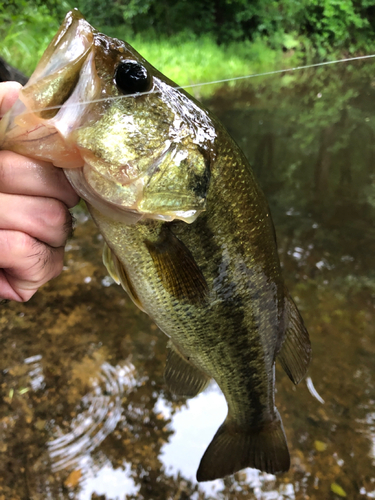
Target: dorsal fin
182, 377
295, 352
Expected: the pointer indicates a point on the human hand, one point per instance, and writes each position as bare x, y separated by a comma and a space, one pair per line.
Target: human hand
34, 218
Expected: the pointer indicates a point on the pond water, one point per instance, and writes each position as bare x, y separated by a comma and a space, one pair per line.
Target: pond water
84, 412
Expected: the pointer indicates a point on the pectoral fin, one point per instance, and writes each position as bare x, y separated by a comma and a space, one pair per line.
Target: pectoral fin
108, 261
295, 352
182, 377
119, 275
177, 269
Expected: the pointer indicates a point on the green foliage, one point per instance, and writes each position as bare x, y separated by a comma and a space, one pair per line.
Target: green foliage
25, 31
189, 59
317, 26
199, 41
336, 24
186, 58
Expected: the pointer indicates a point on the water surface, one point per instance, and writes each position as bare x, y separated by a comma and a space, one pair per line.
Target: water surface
84, 412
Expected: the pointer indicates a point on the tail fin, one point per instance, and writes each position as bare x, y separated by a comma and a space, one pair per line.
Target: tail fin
233, 449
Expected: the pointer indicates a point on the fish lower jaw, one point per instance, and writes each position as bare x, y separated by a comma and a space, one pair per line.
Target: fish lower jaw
120, 202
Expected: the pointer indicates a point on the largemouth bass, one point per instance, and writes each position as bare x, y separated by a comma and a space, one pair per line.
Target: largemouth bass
187, 229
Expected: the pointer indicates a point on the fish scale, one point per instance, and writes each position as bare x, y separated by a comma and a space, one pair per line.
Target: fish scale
187, 229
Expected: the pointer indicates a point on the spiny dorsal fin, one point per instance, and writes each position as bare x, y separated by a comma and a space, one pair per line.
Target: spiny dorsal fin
119, 275
235, 448
181, 376
177, 268
295, 352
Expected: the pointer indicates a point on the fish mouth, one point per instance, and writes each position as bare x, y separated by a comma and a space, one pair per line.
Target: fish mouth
53, 97
60, 67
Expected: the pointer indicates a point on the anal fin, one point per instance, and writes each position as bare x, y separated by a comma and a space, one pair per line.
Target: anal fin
295, 352
233, 449
182, 377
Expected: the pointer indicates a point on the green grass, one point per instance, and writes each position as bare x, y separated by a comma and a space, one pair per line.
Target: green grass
186, 59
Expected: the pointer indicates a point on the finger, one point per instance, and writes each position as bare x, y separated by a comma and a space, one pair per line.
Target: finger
45, 219
21, 175
27, 264
7, 292
8, 95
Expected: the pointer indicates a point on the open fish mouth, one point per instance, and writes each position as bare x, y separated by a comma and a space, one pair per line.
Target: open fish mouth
51, 105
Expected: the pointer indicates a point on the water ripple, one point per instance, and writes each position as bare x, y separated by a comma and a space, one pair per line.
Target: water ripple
102, 410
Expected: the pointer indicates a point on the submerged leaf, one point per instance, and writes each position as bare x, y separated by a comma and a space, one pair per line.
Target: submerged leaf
336, 488
73, 479
320, 446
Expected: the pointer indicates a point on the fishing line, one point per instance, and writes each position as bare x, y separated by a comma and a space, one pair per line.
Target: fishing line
213, 82
308, 66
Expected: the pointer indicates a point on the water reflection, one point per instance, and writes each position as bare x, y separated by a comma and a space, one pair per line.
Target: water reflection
98, 414
85, 413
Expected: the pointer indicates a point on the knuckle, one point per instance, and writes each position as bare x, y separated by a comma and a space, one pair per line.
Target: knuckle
58, 216
42, 262
20, 244
43, 257
49, 263
57, 267
32, 262
52, 260
25, 295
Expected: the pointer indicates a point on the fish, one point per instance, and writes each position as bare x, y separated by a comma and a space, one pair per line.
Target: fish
187, 230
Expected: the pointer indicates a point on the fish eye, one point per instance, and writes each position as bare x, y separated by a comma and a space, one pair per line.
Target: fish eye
132, 77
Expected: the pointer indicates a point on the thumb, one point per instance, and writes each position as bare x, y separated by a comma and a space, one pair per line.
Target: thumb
8, 95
